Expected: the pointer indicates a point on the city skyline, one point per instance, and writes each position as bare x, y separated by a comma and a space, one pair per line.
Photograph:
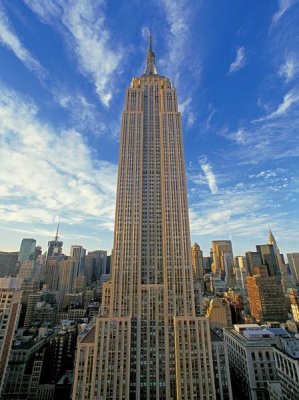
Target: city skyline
62, 80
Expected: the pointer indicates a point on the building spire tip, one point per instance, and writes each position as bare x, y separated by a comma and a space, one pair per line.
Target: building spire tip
150, 57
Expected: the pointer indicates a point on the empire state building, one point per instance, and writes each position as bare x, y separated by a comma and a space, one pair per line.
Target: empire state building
148, 341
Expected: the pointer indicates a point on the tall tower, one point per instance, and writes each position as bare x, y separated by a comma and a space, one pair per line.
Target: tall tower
149, 342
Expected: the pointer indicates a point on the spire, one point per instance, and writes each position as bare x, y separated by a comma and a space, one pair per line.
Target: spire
271, 239
56, 237
150, 58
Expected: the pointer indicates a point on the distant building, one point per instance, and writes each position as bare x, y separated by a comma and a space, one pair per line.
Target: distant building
100, 265
55, 246
219, 313
27, 250
294, 300
78, 253
222, 258
197, 269
69, 270
269, 259
266, 297
293, 260
253, 259
8, 261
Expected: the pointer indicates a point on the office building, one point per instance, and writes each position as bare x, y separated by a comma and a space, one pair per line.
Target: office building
55, 246
294, 301
266, 297
221, 366
293, 260
286, 354
251, 359
27, 250
253, 259
78, 253
8, 261
222, 259
10, 309
269, 259
198, 273
219, 313
150, 343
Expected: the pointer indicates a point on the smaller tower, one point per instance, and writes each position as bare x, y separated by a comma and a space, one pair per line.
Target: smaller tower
55, 246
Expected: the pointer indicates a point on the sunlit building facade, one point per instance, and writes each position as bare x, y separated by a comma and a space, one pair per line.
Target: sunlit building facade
149, 341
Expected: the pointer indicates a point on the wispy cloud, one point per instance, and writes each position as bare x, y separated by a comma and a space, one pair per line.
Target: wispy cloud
83, 113
283, 6
239, 61
180, 54
56, 172
83, 25
271, 137
243, 209
209, 174
292, 97
212, 110
289, 68
10, 40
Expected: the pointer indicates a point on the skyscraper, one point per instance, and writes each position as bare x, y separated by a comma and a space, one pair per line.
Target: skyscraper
27, 250
149, 342
293, 259
266, 297
222, 259
55, 246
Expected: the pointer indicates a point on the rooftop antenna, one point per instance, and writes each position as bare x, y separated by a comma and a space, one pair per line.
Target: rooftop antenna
56, 237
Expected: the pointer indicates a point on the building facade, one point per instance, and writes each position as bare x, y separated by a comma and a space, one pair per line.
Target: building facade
266, 297
151, 343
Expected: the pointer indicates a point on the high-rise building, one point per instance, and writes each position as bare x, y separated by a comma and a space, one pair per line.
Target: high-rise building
253, 259
294, 300
8, 261
221, 367
266, 297
219, 313
269, 259
10, 309
27, 250
293, 260
222, 258
198, 273
78, 253
55, 246
150, 343
278, 256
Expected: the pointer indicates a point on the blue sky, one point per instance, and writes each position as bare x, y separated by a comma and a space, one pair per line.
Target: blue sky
64, 68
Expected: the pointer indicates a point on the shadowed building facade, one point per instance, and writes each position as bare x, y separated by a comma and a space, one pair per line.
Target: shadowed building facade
149, 342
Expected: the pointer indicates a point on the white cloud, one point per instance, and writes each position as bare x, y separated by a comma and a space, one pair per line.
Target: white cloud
83, 24
83, 113
289, 99
283, 6
180, 55
212, 111
210, 177
239, 61
56, 173
10, 40
289, 69
239, 136
241, 211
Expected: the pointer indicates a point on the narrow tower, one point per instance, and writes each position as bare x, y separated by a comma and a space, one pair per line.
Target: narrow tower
149, 342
